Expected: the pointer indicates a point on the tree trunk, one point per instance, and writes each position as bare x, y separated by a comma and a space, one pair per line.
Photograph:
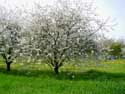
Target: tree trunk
8, 66
56, 69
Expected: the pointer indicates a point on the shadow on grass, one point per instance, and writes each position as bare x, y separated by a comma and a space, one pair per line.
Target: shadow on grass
67, 75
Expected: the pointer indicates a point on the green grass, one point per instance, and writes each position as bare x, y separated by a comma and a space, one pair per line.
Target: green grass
105, 78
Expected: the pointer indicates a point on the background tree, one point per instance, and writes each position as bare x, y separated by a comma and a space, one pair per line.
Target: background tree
116, 50
10, 34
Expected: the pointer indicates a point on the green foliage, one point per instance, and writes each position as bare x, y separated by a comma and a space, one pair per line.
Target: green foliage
116, 49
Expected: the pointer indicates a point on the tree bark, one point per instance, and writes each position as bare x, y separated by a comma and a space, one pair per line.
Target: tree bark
56, 69
8, 66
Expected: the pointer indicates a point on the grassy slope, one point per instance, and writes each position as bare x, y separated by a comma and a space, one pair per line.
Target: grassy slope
108, 78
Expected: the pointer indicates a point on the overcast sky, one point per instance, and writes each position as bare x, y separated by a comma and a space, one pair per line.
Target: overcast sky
113, 8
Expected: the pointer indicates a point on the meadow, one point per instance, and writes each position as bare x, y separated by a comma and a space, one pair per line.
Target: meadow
88, 78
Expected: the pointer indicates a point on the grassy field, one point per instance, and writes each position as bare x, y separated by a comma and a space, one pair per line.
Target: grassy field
105, 78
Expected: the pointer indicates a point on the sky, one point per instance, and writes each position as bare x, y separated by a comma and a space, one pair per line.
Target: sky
115, 9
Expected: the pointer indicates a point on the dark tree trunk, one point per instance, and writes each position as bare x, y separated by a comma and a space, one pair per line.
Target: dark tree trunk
56, 69
8, 66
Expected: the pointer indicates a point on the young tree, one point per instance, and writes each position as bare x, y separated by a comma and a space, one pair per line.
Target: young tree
10, 34
65, 30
